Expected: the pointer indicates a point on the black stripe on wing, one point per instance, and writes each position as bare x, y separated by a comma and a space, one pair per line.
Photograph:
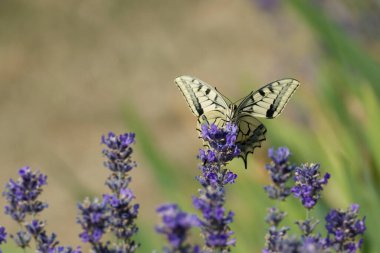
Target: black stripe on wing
250, 136
270, 100
200, 96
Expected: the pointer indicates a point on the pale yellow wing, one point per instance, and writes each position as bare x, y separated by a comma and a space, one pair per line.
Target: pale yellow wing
201, 97
270, 100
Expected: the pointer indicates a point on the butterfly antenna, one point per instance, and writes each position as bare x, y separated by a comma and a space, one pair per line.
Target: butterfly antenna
239, 100
225, 98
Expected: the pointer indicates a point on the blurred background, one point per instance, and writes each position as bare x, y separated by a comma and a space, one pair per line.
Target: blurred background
72, 70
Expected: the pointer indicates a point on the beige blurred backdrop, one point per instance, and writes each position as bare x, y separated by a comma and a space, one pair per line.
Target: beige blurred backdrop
68, 70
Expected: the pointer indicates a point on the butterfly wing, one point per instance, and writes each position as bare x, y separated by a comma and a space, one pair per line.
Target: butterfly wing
210, 107
270, 100
251, 134
202, 98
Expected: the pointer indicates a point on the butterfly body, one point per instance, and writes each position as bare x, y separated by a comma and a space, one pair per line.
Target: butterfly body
210, 106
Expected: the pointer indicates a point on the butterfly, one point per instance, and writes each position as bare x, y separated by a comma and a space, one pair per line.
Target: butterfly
210, 106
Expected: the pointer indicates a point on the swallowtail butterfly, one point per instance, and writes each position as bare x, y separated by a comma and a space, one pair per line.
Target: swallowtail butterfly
212, 107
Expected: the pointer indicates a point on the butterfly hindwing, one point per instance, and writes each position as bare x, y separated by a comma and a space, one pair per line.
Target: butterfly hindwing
212, 117
270, 100
251, 134
201, 97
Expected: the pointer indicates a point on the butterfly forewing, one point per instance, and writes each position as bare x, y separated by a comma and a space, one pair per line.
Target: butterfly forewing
201, 97
270, 100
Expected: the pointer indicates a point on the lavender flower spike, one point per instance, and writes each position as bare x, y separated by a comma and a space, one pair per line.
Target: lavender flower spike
309, 184
280, 171
3, 236
118, 152
222, 149
22, 195
94, 219
61, 249
122, 217
343, 227
175, 225
274, 216
123, 213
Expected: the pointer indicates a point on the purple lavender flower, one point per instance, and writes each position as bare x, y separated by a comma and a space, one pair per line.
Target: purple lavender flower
122, 212
275, 239
274, 216
44, 242
122, 217
3, 236
307, 226
22, 194
35, 227
279, 241
280, 171
22, 197
119, 152
61, 249
175, 226
343, 228
309, 184
94, 219
314, 244
115, 213
21, 238
222, 149
222, 143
